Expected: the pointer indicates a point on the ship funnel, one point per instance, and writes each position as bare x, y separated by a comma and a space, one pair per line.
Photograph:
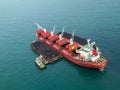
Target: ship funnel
39, 27
52, 32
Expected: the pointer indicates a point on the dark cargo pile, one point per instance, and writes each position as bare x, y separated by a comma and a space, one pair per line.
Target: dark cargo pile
45, 50
80, 40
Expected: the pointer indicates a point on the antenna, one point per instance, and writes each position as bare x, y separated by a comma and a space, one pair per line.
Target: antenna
88, 41
98, 51
39, 27
92, 44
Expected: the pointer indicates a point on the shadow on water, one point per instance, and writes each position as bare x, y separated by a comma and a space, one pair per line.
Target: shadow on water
87, 72
41, 69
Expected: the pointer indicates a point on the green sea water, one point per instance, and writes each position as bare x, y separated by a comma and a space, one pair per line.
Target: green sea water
95, 19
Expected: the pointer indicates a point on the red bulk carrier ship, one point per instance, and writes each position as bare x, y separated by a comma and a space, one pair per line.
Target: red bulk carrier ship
78, 50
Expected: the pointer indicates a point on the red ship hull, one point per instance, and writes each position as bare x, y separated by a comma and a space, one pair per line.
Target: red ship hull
74, 59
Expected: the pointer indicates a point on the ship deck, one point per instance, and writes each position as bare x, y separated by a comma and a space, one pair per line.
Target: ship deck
49, 54
81, 41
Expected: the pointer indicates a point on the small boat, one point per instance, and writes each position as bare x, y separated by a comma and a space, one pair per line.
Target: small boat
43, 59
39, 63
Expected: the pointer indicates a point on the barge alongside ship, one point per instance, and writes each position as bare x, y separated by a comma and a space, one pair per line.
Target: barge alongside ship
78, 50
46, 54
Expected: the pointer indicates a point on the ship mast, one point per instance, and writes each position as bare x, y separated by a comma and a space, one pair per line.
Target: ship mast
88, 41
72, 38
52, 32
39, 27
61, 35
44, 30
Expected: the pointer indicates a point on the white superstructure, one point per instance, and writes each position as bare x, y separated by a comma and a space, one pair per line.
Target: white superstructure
88, 52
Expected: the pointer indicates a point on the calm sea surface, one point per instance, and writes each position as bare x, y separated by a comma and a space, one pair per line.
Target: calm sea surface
95, 19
